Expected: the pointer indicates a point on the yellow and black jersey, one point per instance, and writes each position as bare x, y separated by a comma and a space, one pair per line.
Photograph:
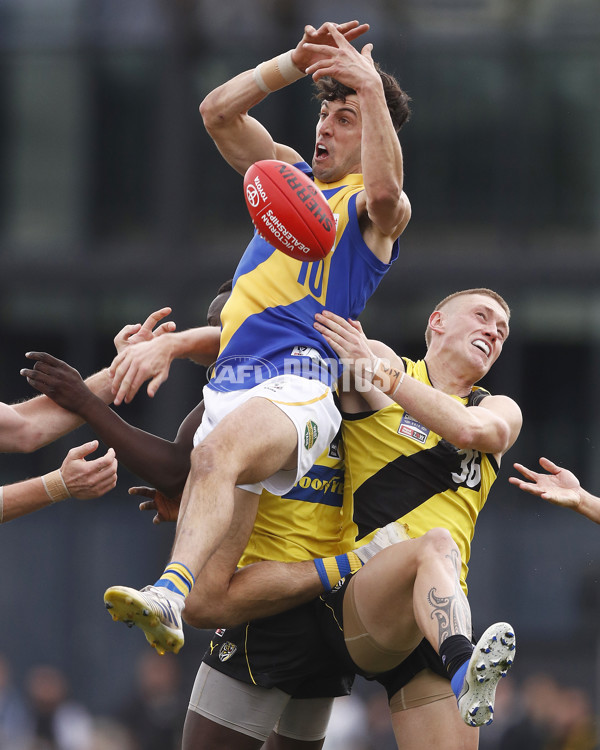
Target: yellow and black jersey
267, 322
396, 468
310, 521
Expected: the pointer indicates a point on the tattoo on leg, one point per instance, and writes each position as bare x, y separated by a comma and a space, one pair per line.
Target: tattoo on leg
452, 613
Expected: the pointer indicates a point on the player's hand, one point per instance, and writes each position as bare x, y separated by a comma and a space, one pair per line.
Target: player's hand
342, 61
136, 332
559, 486
346, 338
137, 363
89, 479
303, 56
57, 380
167, 509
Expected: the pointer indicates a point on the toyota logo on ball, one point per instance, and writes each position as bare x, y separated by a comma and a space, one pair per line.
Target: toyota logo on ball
252, 195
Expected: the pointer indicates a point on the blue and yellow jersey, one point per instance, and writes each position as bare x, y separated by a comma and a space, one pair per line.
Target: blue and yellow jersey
309, 520
397, 469
267, 323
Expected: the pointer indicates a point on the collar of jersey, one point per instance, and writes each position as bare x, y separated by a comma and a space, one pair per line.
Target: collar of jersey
349, 179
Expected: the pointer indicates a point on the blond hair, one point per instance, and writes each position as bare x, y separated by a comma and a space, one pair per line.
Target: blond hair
463, 293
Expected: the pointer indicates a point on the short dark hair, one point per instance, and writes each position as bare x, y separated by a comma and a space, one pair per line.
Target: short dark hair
328, 89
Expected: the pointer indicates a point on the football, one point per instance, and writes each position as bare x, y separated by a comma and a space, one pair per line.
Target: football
288, 210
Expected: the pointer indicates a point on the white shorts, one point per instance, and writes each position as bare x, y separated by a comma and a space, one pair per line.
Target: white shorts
308, 403
257, 711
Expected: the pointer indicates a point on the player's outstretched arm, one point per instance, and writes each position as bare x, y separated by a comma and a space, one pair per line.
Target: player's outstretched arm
558, 486
161, 462
76, 478
27, 426
491, 427
151, 360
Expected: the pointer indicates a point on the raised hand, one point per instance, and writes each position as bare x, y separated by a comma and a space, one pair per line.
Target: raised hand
167, 509
346, 338
136, 332
88, 479
309, 50
340, 60
146, 360
559, 486
57, 380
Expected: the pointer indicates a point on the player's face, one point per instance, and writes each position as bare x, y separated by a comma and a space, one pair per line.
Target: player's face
476, 327
338, 141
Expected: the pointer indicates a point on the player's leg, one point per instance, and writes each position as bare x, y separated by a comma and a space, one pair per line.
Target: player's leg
424, 713
279, 742
302, 725
407, 591
225, 712
413, 588
250, 444
211, 501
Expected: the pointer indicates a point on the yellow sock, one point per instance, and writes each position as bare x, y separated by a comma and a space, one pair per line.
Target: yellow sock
331, 569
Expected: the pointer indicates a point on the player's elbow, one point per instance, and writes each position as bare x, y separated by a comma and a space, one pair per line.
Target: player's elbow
206, 615
481, 437
388, 210
212, 112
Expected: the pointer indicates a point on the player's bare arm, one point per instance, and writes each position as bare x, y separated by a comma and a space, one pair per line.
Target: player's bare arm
76, 478
151, 360
491, 427
558, 486
163, 463
240, 138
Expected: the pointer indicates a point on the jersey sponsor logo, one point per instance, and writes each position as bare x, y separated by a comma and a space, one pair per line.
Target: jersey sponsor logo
227, 650
412, 429
311, 433
322, 484
220, 632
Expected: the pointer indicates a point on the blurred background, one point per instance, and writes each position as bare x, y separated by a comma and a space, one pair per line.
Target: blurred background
115, 202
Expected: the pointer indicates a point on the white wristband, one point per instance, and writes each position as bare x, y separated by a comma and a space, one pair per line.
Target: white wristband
398, 384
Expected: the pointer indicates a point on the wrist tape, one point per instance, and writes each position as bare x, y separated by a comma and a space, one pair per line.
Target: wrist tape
55, 486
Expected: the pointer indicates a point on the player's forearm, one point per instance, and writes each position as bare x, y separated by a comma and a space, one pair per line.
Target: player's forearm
100, 385
159, 462
476, 428
199, 344
259, 590
42, 420
382, 162
221, 108
22, 498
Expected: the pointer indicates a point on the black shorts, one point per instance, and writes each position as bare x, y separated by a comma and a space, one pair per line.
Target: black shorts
286, 651
331, 619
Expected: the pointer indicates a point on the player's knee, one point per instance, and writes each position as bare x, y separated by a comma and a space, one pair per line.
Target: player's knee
439, 541
207, 460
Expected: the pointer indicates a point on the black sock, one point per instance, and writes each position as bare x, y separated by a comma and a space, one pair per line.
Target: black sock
454, 651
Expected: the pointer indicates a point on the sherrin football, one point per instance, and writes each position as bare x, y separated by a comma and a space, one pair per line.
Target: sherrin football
288, 210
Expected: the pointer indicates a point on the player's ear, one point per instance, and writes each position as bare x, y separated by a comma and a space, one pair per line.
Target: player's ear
436, 321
